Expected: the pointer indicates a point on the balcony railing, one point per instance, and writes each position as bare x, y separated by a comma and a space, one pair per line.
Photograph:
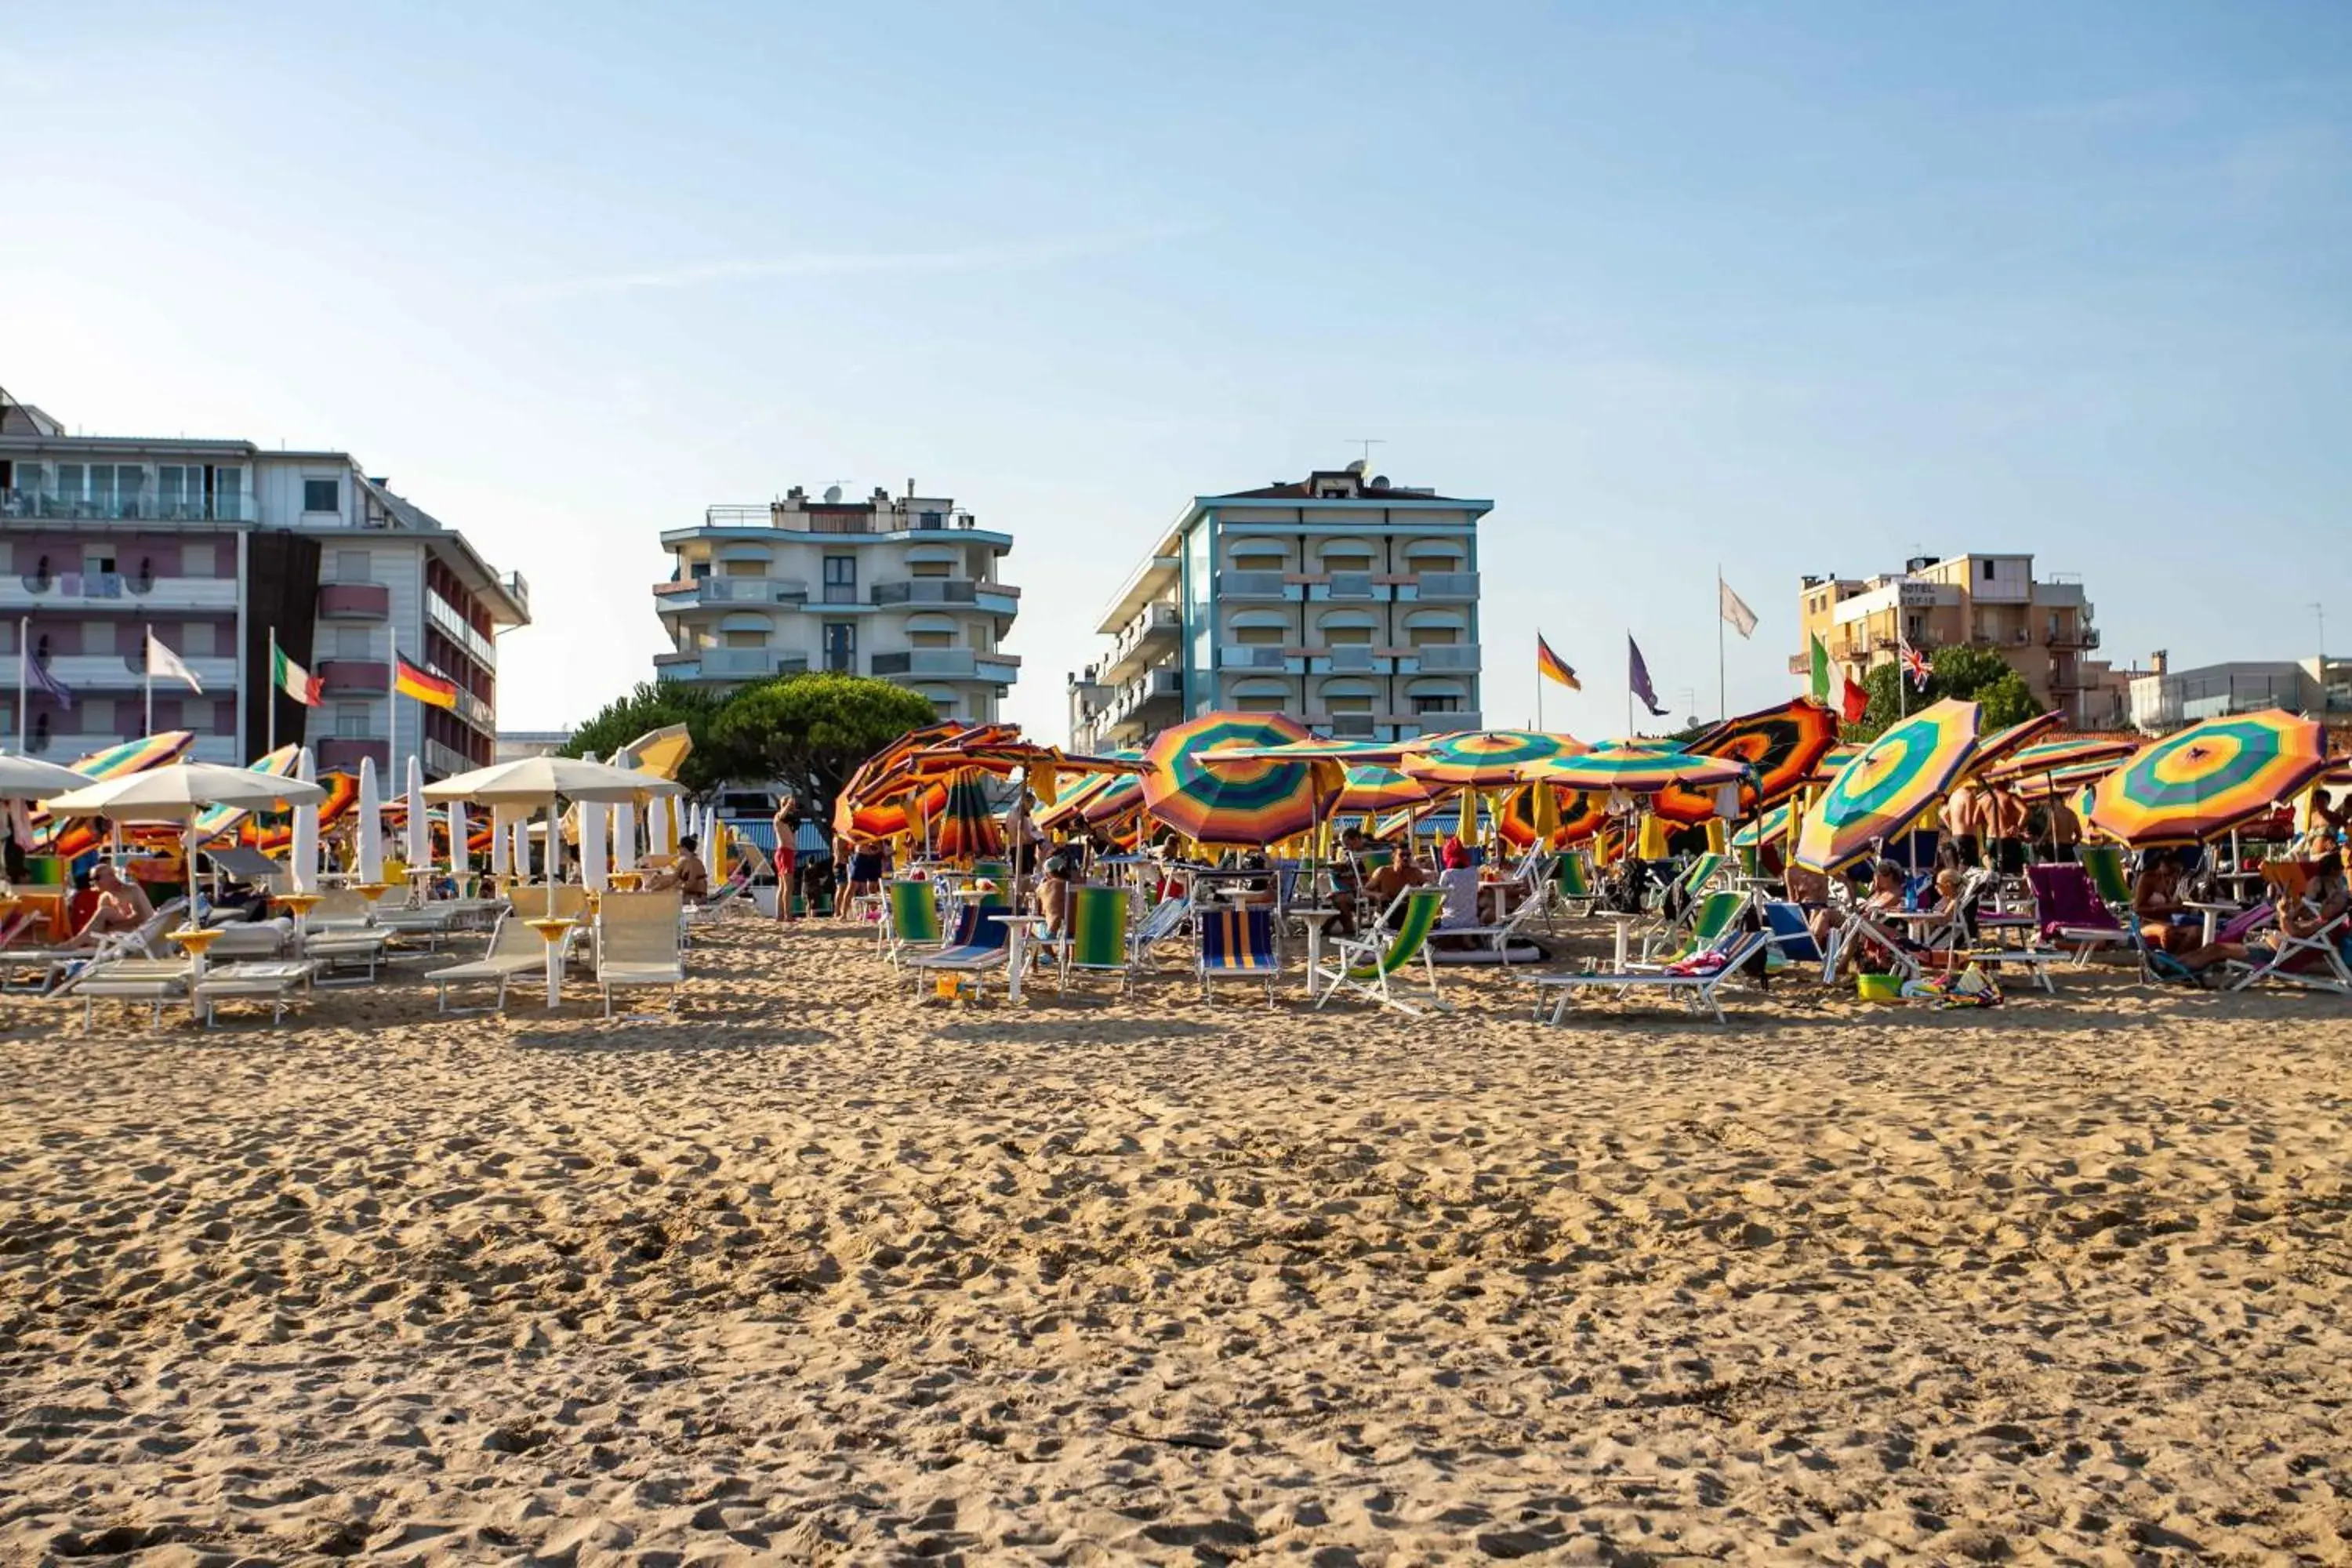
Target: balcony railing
849, 519
1242, 656
1447, 585
80, 672
354, 677
1251, 585
453, 626
354, 601
1350, 658
117, 591
30, 505
941, 591
442, 761
1351, 586
343, 754
1447, 656
693, 590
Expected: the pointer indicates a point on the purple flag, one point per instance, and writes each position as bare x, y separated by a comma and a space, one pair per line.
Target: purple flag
1638, 679
44, 681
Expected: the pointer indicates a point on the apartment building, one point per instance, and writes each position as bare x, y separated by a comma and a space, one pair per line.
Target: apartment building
2165, 699
2040, 627
1345, 601
904, 589
217, 546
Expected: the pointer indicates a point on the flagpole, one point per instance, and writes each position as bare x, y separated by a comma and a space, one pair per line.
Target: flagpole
270, 687
24, 664
1722, 698
147, 660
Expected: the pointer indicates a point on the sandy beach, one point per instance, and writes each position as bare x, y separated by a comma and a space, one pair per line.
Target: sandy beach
813, 1273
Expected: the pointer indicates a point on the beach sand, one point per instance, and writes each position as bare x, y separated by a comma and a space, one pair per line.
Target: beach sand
813, 1273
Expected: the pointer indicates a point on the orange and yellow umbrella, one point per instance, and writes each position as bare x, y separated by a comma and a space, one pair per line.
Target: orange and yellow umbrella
2209, 778
1885, 789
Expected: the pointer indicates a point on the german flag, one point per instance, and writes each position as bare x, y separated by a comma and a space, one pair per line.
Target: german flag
426, 686
1550, 666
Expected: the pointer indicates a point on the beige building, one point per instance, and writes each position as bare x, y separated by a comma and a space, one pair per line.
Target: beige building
2040, 627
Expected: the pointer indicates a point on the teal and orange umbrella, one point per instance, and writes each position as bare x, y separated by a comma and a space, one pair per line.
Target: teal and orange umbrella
1639, 767
2209, 778
1781, 747
1766, 828
2008, 742
1241, 803
2058, 758
1486, 759
965, 829
1889, 786
1100, 799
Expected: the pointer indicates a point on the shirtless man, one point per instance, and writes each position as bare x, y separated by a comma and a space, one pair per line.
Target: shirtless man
1963, 817
122, 906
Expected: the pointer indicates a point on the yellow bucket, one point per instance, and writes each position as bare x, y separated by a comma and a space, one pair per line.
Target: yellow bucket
1879, 987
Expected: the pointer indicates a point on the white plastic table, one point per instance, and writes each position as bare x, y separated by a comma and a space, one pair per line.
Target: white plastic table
1315, 920
1020, 931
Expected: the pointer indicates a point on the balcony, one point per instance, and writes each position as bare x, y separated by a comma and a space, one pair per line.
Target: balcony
848, 518
2074, 638
444, 617
1445, 585
1346, 658
1245, 655
1233, 585
476, 713
728, 664
354, 601
1449, 658
697, 592
80, 672
1153, 632
77, 592
946, 664
354, 677
344, 754
441, 761
40, 505
1350, 585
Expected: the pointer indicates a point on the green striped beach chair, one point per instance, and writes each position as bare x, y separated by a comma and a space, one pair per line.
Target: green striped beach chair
2105, 865
914, 921
1366, 965
1713, 915
1096, 940
1573, 883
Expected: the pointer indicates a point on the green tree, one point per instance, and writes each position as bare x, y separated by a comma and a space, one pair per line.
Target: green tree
654, 705
811, 730
1971, 674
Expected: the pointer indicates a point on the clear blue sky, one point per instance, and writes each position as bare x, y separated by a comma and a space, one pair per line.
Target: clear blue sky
1793, 288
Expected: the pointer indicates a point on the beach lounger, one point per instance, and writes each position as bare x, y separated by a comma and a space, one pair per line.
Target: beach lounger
1368, 965
981, 945
1572, 884
153, 981
1238, 945
274, 980
60, 967
2316, 962
515, 950
2103, 865
914, 922
2072, 914
1791, 935
638, 944
1696, 983
1162, 920
1714, 914
1096, 941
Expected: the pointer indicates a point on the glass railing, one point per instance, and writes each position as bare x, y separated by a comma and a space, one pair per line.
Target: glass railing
927, 591
453, 626
31, 504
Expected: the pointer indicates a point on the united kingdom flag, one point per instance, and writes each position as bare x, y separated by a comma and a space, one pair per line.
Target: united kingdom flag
1915, 665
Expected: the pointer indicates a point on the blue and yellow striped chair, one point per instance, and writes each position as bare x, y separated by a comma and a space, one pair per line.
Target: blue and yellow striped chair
1238, 945
1367, 965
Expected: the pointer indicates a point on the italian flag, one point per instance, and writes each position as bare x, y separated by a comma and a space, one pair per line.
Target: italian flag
293, 679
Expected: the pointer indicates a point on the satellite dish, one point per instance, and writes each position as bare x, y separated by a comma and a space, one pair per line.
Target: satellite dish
831, 494
1380, 481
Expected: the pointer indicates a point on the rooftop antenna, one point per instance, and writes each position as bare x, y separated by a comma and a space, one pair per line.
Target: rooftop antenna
1366, 443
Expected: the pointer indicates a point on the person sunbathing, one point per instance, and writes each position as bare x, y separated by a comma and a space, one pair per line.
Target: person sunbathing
2325, 898
122, 906
2166, 923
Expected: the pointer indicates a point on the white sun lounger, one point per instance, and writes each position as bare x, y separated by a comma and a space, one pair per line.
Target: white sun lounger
639, 942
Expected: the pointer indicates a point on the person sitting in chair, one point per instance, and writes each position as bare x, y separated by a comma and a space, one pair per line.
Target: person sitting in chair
122, 906
686, 873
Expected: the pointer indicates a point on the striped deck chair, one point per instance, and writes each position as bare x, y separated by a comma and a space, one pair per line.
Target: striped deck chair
1573, 884
981, 945
1710, 917
1790, 934
1165, 919
1694, 982
2104, 864
1238, 945
1702, 870
914, 922
1096, 940
1366, 964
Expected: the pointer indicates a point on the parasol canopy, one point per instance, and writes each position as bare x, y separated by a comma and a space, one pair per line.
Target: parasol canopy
2004, 743
181, 793
1772, 824
2056, 757
1376, 788
1781, 747
965, 829
1886, 788
1580, 814
1237, 804
2209, 778
29, 778
1486, 759
1640, 767
660, 752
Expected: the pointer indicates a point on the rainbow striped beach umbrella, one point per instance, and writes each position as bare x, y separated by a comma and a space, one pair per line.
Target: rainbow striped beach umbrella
1376, 788
2057, 757
964, 829
2209, 778
1885, 789
1772, 824
1582, 815
1638, 767
2003, 744
1781, 747
1239, 803
113, 762
219, 819
1486, 759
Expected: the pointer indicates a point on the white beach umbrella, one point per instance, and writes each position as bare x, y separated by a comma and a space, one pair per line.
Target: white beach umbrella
538, 782
594, 817
180, 793
28, 778
657, 827
624, 836
420, 821
460, 860
302, 863
371, 823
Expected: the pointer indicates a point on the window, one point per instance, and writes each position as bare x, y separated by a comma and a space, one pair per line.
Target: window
198, 559
1432, 636
841, 579
1437, 705
351, 721
1255, 702
1347, 703
1346, 636
228, 494
927, 569
930, 639
931, 520
841, 644
350, 642
1259, 636
97, 715
197, 638
745, 639
744, 569
699, 571
322, 495
352, 565
97, 636
97, 560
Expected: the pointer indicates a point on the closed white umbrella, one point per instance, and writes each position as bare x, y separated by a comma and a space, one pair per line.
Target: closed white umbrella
657, 821
625, 836
180, 793
461, 861
593, 816
371, 823
303, 867
420, 821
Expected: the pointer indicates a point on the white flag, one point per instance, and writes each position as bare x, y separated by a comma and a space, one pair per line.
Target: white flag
162, 661
1742, 618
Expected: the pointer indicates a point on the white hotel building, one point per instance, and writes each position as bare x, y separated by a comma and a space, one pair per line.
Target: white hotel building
1347, 602
904, 589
